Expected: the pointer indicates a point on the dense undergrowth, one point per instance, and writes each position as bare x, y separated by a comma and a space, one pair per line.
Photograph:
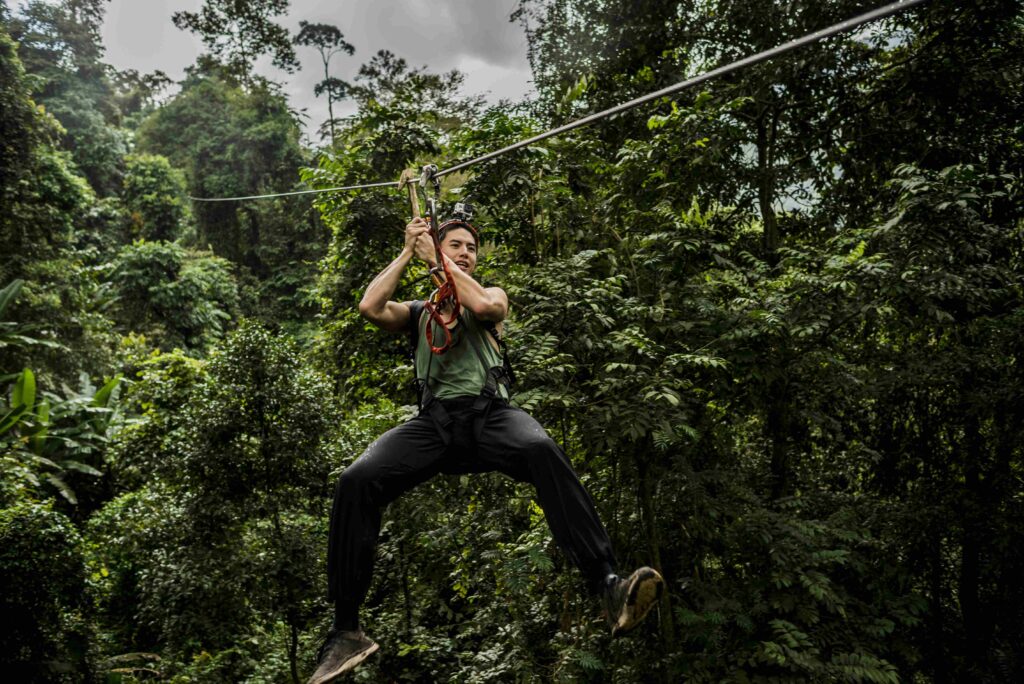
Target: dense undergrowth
775, 323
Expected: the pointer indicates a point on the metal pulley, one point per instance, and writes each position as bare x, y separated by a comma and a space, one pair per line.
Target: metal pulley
427, 176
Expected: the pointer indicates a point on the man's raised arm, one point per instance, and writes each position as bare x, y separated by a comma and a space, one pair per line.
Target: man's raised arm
376, 305
488, 303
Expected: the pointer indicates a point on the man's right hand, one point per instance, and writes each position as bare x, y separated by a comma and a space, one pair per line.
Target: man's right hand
417, 240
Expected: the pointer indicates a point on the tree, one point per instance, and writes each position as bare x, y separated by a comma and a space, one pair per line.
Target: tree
238, 33
43, 637
231, 141
29, 146
228, 530
777, 324
174, 297
46, 210
328, 41
64, 35
138, 95
815, 321
390, 81
154, 197
61, 44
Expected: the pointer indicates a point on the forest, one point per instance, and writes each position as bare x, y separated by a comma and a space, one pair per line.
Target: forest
776, 322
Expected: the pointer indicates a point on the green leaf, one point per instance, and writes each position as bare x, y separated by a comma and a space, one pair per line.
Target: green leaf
9, 293
63, 488
102, 396
11, 418
24, 392
589, 661
42, 426
43, 413
80, 467
42, 460
33, 342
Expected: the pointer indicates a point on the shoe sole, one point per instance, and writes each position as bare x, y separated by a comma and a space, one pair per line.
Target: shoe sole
643, 594
349, 664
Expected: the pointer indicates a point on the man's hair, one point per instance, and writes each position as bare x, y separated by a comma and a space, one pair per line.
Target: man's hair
454, 224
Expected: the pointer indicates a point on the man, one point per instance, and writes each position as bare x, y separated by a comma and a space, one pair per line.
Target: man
465, 425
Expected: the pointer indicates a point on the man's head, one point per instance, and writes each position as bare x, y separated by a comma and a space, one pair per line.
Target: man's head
459, 241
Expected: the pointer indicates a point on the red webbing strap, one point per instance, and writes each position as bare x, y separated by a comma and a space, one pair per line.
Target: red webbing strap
445, 294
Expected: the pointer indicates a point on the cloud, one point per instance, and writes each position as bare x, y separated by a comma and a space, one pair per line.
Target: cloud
436, 34
474, 36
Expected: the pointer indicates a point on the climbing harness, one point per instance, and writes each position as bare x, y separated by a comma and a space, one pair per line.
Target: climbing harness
817, 36
494, 377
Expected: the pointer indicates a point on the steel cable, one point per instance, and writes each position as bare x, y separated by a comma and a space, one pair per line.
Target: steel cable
841, 27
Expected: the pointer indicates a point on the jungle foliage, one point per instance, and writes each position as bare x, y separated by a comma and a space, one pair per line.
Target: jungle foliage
775, 322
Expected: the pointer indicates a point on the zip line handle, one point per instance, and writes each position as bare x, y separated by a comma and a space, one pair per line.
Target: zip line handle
445, 294
409, 180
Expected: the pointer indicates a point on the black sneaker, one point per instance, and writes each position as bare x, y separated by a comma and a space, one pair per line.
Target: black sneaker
340, 653
627, 601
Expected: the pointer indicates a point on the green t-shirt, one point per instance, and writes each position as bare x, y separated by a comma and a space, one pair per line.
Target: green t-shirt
458, 371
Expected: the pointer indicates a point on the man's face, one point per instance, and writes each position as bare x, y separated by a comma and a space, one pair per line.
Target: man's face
460, 246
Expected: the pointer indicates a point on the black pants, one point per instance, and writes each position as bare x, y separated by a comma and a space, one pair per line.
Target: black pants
510, 442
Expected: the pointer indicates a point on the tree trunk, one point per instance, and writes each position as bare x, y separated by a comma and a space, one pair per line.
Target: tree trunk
766, 186
250, 255
977, 505
937, 648
654, 548
293, 654
406, 595
777, 428
330, 99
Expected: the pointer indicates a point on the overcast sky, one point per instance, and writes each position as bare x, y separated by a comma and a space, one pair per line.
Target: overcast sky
474, 36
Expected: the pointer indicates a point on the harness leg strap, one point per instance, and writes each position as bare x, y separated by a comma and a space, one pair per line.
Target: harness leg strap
433, 407
483, 403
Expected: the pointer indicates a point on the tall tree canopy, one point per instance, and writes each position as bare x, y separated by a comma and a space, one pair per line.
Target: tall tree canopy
238, 32
328, 41
60, 44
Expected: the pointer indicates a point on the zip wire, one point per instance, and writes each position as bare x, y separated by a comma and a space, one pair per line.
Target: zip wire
383, 184
817, 36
